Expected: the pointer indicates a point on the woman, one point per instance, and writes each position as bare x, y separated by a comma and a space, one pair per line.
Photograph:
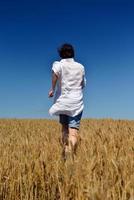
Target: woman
69, 76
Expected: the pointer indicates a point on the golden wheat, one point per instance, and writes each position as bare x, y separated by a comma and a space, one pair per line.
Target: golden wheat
31, 166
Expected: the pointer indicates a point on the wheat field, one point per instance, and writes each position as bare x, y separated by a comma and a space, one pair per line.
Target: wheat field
31, 166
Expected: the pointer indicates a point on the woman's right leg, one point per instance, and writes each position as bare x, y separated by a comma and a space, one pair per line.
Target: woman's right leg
73, 139
74, 124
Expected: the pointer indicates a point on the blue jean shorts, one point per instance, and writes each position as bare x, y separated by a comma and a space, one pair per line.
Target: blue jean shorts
72, 122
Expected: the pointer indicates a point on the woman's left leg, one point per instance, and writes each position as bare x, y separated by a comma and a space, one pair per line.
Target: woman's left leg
65, 141
65, 134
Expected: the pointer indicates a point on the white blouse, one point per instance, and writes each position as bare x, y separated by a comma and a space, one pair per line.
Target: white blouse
71, 81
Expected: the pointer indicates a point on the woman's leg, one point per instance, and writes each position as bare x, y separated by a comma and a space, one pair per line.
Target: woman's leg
74, 125
73, 139
65, 134
65, 141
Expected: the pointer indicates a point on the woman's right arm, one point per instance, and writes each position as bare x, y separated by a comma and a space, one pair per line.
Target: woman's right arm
83, 83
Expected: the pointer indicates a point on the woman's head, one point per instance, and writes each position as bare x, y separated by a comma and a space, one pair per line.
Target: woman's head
66, 51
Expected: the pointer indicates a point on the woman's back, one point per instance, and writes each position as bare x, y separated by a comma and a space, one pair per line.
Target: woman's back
72, 74
69, 75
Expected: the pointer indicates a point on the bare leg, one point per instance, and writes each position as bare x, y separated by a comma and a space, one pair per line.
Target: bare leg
65, 142
64, 134
73, 139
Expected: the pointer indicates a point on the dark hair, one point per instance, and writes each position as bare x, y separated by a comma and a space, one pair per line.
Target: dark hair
66, 51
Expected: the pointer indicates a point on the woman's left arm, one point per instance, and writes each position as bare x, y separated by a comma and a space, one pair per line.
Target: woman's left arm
54, 81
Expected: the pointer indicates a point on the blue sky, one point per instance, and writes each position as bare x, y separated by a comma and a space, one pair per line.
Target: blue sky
102, 33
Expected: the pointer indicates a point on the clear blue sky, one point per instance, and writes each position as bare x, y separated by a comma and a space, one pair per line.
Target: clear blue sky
102, 33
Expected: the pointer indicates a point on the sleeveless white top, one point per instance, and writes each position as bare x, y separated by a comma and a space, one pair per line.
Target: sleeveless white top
69, 95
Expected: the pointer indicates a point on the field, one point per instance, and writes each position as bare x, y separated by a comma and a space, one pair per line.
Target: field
31, 166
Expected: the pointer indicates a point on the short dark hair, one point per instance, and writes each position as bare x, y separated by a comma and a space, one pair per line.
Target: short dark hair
66, 51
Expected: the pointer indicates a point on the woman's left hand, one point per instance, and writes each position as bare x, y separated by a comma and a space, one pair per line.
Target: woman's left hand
51, 93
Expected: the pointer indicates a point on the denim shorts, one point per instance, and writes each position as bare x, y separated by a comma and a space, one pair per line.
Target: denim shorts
72, 122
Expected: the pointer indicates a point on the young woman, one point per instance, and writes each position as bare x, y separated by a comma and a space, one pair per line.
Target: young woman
69, 76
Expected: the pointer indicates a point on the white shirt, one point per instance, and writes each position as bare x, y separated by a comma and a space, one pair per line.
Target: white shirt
69, 95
